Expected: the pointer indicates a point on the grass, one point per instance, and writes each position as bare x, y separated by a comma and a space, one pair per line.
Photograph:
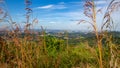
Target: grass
91, 13
29, 54
42, 51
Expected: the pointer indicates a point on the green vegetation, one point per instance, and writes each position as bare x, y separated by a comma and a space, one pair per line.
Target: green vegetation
24, 53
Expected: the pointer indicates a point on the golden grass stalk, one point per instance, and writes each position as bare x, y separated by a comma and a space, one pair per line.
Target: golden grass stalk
91, 12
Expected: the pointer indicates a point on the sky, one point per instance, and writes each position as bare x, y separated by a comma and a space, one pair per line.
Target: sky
56, 14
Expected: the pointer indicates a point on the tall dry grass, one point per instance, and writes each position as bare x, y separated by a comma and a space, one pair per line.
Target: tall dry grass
91, 12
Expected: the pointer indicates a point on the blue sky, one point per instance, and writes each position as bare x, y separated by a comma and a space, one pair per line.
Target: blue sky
53, 14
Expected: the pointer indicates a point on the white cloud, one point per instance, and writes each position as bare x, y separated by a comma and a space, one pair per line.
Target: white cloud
45, 7
60, 5
52, 22
70, 19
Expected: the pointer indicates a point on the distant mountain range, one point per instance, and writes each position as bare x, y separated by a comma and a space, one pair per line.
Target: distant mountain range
59, 31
